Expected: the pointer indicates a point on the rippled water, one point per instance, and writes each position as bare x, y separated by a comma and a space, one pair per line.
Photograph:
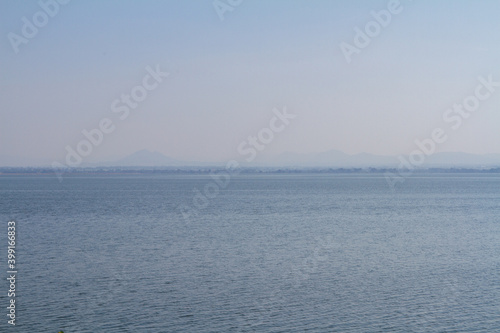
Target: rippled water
269, 253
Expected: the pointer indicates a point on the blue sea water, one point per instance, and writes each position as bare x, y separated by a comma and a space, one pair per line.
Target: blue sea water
267, 253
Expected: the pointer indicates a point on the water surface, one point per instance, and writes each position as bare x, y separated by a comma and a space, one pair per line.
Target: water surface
269, 253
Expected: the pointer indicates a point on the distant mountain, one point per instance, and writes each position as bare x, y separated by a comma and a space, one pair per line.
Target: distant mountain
327, 159
463, 159
330, 158
147, 158
338, 159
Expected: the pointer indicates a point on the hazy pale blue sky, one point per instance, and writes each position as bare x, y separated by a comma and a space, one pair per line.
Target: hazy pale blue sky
227, 76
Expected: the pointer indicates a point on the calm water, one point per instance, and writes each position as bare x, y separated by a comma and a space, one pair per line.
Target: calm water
270, 253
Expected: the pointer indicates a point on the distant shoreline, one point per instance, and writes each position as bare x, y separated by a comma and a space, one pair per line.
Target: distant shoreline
245, 170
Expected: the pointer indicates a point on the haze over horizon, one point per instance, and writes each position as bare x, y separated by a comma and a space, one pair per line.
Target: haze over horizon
225, 82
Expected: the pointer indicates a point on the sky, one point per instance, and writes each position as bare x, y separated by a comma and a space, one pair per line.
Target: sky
230, 63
